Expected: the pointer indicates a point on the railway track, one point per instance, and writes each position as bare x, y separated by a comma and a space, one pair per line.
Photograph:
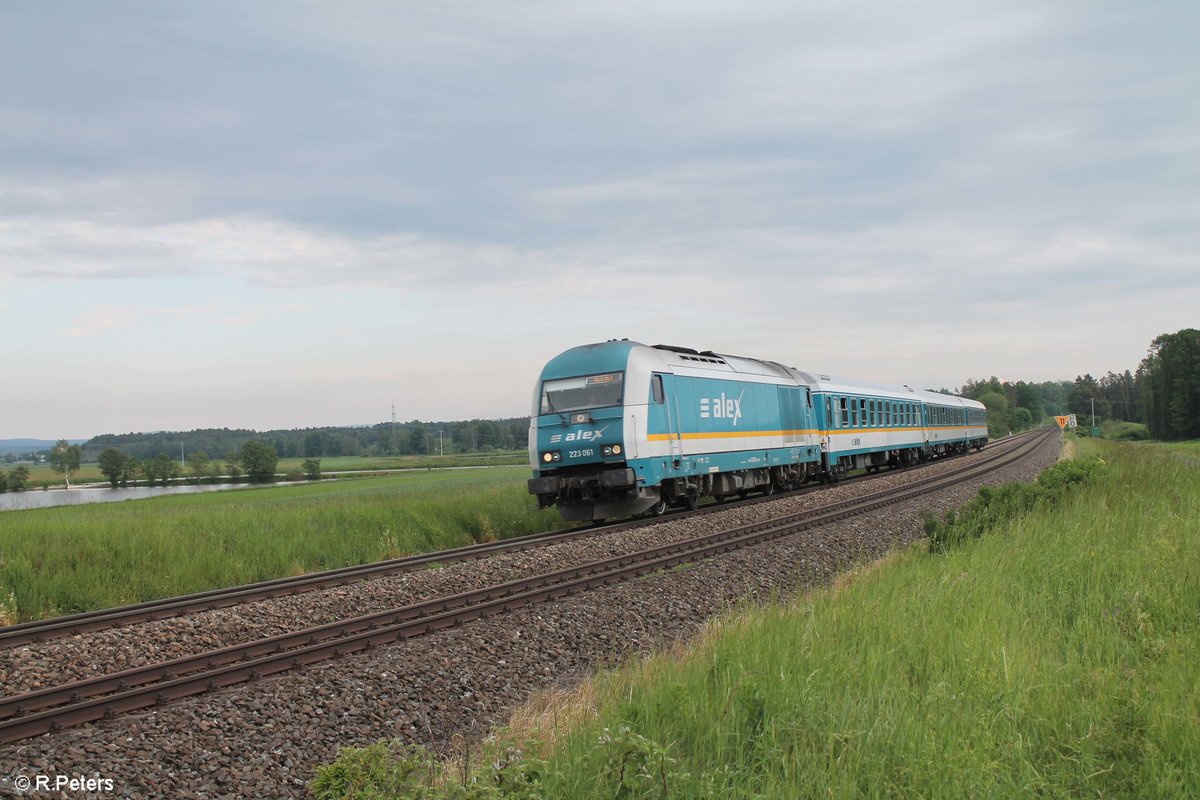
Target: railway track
166, 608
54, 708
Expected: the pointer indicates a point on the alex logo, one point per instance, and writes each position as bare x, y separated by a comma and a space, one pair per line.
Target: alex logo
722, 407
578, 436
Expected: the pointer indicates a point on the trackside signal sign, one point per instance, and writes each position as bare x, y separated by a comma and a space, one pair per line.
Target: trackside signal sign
1062, 421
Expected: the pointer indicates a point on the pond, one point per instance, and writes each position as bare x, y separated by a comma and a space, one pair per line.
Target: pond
90, 493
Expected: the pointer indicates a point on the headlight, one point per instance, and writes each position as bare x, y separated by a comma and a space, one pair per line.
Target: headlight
609, 450
551, 456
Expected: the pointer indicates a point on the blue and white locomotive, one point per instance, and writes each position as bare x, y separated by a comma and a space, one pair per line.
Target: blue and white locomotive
621, 428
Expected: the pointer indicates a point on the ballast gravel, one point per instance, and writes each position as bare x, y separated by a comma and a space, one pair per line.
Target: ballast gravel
265, 739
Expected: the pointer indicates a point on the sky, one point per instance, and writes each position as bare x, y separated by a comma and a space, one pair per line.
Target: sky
275, 215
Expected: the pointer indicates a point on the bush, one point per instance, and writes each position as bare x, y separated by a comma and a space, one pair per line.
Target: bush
388, 770
998, 504
1125, 431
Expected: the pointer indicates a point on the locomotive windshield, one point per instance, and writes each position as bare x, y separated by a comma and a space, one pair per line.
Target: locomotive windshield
582, 393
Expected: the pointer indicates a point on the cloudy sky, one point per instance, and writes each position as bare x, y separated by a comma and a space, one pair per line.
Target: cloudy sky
279, 214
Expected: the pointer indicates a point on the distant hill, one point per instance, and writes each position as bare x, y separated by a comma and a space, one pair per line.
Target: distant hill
25, 445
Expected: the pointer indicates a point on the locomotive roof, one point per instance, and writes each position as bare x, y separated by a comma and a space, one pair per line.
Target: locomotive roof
613, 354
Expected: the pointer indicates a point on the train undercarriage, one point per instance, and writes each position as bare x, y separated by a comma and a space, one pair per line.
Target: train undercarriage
614, 492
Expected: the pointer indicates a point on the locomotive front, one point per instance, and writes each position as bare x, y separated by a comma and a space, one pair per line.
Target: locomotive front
577, 442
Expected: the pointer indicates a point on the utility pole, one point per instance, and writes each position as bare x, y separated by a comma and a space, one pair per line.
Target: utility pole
395, 444
182, 463
441, 452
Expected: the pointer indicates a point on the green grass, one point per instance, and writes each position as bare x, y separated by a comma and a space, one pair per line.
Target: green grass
76, 558
1190, 449
1057, 655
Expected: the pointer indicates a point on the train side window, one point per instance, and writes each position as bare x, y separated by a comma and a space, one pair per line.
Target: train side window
808, 396
862, 411
845, 413
871, 411
828, 413
656, 386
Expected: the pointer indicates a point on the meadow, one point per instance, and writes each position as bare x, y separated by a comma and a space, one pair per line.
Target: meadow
90, 472
1052, 651
64, 560
1189, 449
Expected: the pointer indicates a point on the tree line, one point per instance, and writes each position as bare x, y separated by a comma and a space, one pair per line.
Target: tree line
384, 439
1163, 394
256, 459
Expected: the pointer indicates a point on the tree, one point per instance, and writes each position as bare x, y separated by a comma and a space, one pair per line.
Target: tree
130, 470
419, 440
312, 468
112, 465
198, 462
259, 459
1086, 390
168, 468
64, 459
1171, 393
997, 410
18, 478
1027, 396
233, 467
161, 468
3, 482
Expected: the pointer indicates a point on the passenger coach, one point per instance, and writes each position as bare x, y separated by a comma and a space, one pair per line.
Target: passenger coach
621, 428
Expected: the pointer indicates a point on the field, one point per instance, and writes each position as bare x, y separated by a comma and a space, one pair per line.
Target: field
90, 473
1057, 655
377, 463
1190, 449
63, 560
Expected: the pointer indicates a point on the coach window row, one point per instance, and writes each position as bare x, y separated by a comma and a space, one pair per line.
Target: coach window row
941, 415
862, 412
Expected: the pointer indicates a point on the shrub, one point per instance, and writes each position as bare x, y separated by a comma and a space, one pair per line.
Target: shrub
997, 504
386, 770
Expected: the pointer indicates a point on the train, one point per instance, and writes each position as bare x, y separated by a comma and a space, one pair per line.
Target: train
625, 429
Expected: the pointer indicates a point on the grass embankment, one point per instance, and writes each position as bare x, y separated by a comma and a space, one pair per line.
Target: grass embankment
76, 558
1057, 655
